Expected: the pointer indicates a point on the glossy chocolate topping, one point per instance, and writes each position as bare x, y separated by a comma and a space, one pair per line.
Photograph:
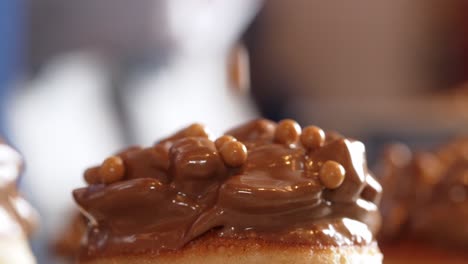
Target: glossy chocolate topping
16, 216
262, 179
426, 194
68, 243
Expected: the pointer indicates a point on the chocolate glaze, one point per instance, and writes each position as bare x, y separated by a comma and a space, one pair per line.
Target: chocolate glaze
180, 188
68, 243
16, 215
426, 194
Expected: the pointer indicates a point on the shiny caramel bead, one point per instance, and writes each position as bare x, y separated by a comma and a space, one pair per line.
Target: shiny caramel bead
196, 130
332, 174
234, 153
223, 140
91, 175
312, 137
287, 132
112, 170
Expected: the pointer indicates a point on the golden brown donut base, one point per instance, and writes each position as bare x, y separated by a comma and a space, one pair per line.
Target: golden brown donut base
403, 252
215, 250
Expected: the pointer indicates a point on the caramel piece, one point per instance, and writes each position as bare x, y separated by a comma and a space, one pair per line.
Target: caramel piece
112, 170
223, 140
332, 136
194, 158
312, 137
332, 174
196, 130
260, 130
161, 157
234, 153
287, 132
92, 176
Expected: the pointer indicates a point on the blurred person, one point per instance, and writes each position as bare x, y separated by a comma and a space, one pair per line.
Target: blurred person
106, 74
369, 69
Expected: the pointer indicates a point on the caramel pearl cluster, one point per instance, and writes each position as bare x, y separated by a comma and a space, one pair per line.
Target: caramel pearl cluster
234, 153
288, 131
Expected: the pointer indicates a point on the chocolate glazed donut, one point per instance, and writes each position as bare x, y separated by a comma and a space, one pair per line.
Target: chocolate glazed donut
265, 180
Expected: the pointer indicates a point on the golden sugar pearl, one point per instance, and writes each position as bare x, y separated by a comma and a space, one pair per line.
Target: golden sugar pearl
112, 170
223, 140
312, 137
332, 174
287, 132
234, 153
91, 175
196, 130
